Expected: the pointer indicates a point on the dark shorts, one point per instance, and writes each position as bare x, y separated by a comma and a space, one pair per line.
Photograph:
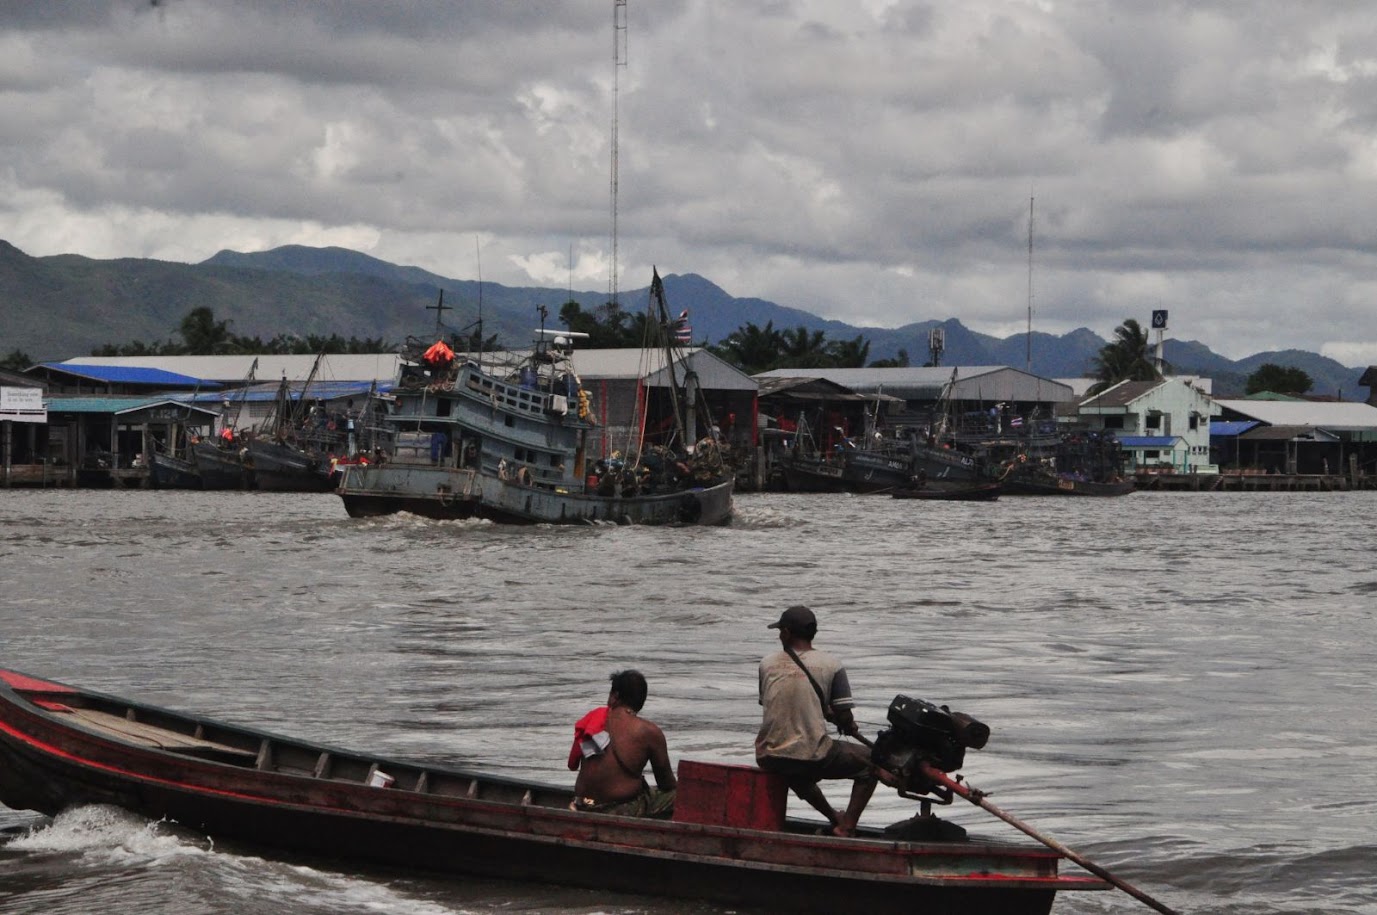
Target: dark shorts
652, 804
843, 760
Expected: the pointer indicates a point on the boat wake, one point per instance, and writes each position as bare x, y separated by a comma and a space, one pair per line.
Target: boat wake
128, 849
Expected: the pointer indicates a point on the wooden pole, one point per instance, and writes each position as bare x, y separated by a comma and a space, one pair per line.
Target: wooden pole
977, 797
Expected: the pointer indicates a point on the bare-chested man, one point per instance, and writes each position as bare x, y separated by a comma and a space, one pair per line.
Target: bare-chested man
611, 749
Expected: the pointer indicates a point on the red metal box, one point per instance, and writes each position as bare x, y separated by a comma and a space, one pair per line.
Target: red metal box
741, 796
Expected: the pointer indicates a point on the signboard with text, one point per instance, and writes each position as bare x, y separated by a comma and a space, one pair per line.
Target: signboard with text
22, 405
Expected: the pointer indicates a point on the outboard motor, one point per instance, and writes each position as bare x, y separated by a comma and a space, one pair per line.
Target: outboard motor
921, 732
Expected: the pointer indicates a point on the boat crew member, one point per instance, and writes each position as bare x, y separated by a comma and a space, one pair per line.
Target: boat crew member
612, 746
793, 740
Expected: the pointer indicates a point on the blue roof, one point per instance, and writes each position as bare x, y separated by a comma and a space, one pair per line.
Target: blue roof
123, 374
1147, 441
1231, 426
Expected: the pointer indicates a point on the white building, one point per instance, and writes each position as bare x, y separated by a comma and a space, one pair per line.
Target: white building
1159, 423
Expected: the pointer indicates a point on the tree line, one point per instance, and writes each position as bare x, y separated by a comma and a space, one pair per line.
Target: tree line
203, 335
752, 349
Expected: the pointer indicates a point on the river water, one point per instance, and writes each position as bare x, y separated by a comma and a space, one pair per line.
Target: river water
1180, 685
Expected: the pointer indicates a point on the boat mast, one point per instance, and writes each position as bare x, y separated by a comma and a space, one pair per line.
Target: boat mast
661, 318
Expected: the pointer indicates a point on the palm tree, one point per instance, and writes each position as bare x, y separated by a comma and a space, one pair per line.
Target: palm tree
1128, 357
804, 349
849, 354
203, 334
752, 349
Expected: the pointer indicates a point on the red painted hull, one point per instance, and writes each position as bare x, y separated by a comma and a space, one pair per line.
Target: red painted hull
61, 747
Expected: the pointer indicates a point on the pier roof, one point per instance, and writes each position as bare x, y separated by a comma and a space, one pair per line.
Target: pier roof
1332, 415
234, 369
127, 374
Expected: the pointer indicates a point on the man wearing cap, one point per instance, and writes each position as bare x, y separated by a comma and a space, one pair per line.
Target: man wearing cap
793, 739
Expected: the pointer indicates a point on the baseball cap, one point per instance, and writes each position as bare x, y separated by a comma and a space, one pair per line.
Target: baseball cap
796, 619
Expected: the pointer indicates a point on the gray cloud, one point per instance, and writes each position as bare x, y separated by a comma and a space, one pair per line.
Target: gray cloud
870, 162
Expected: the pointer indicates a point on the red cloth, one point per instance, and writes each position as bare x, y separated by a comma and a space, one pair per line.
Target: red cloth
589, 724
438, 353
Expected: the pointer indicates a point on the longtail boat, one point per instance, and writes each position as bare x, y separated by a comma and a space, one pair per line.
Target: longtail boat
729, 841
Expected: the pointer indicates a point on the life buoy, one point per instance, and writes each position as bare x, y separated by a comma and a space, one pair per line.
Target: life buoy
523, 476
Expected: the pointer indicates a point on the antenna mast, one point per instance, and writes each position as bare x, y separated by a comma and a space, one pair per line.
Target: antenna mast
618, 62
1030, 285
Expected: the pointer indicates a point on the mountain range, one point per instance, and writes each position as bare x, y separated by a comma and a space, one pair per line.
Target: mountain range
59, 306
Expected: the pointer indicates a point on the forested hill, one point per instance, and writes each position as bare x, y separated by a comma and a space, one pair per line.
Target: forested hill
67, 305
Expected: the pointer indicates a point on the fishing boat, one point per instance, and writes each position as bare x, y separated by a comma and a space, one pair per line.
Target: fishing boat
951, 492
728, 842
283, 457
869, 466
170, 471
510, 438
1080, 464
220, 465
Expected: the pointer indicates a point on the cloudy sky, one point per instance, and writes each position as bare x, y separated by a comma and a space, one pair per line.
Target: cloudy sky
869, 161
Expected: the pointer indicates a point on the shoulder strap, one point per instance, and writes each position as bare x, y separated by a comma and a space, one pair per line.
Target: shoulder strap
826, 706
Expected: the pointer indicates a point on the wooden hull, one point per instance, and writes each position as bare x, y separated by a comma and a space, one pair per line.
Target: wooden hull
811, 475
279, 467
855, 471
954, 492
168, 472
220, 468
61, 747
445, 493
1058, 486
948, 464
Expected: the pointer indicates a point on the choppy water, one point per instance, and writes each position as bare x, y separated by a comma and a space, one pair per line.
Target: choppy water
1180, 685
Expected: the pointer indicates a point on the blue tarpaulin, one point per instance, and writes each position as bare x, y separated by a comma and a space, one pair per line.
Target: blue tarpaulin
1231, 426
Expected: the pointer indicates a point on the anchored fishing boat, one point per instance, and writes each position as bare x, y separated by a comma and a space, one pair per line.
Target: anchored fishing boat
950, 492
510, 438
729, 841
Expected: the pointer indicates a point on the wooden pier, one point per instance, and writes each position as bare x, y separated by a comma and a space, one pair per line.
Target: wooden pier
1252, 481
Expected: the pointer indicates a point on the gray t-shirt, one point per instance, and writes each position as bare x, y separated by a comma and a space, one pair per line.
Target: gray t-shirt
792, 725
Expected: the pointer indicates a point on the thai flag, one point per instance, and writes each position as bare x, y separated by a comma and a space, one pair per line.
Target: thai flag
683, 332
1016, 422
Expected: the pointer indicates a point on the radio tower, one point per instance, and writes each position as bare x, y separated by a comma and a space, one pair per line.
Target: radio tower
1030, 286
618, 62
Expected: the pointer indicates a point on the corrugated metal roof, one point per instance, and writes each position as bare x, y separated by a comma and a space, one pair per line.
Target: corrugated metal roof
117, 405
1149, 441
128, 374
1340, 416
1231, 427
234, 369
819, 389
1122, 394
906, 376
1287, 434
988, 383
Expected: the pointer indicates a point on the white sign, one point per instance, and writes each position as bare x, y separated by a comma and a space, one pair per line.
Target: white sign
22, 405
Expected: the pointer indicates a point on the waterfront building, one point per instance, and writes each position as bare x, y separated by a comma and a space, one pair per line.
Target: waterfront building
1162, 425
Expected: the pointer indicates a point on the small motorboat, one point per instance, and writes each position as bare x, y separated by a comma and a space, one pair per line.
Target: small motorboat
729, 840
954, 492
